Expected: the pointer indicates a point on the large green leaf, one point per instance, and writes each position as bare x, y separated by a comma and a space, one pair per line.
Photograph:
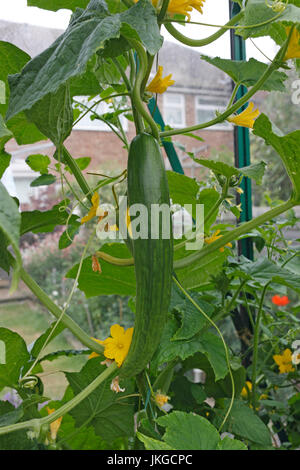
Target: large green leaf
113, 279
257, 12
188, 431
191, 319
102, 409
207, 343
53, 115
14, 358
10, 221
243, 422
248, 72
5, 133
12, 61
264, 271
287, 146
88, 31
198, 274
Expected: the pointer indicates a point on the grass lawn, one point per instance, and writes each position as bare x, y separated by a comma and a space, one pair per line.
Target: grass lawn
30, 321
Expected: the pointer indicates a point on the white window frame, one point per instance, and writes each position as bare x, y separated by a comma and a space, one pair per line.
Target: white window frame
224, 126
181, 105
86, 124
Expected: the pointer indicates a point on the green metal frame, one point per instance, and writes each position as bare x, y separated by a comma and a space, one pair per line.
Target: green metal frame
242, 141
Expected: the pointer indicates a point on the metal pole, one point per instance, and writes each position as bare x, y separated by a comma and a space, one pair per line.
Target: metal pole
241, 141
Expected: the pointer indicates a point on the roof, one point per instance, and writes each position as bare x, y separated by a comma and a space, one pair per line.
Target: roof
188, 70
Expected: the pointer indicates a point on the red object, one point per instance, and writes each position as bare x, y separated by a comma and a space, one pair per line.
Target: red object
280, 301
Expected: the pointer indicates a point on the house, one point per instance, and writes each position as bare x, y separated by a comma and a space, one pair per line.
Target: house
199, 90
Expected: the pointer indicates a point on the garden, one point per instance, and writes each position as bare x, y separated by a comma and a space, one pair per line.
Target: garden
135, 336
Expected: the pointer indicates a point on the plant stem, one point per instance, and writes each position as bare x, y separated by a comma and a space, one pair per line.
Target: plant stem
36, 424
255, 345
136, 93
72, 164
56, 311
235, 233
202, 42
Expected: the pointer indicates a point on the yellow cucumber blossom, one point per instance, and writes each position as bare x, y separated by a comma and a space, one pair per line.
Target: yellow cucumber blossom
293, 50
284, 361
161, 399
246, 389
182, 7
117, 346
93, 210
215, 237
246, 118
160, 84
54, 427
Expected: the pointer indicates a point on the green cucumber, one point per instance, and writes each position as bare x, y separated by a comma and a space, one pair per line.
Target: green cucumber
153, 257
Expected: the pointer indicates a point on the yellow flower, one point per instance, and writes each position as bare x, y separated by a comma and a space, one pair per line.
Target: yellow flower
215, 237
160, 84
55, 425
246, 118
239, 190
93, 354
182, 7
161, 399
245, 390
284, 361
293, 50
117, 346
93, 209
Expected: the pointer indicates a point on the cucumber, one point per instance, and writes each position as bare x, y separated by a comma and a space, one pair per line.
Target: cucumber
153, 258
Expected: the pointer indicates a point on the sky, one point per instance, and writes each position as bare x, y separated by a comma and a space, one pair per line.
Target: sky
214, 12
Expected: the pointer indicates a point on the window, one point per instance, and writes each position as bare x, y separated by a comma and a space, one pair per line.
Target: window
174, 109
206, 111
88, 124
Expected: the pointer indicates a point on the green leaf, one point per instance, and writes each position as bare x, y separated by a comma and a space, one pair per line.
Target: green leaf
191, 319
38, 221
110, 417
88, 31
208, 344
248, 72
4, 162
14, 440
15, 357
231, 444
254, 171
257, 12
5, 260
113, 279
243, 422
152, 444
198, 274
263, 271
53, 115
183, 190
5, 133
82, 163
43, 180
178, 435
10, 221
287, 147
55, 5
68, 236
38, 163
12, 61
